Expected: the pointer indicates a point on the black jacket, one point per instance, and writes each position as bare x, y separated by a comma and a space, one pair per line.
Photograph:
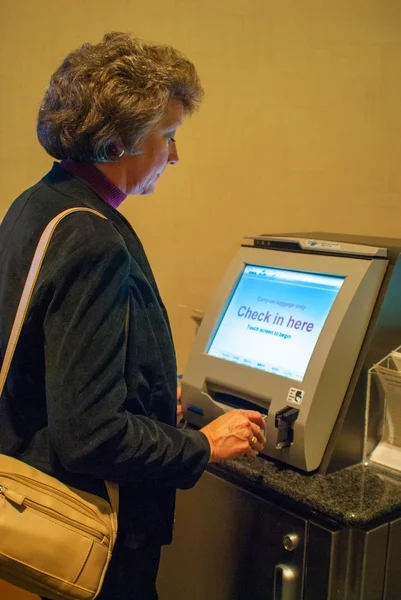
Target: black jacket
85, 400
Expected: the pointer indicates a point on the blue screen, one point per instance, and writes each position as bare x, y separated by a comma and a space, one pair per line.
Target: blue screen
274, 319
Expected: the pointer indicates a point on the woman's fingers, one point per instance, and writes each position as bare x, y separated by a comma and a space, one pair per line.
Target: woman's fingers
236, 433
251, 452
258, 439
254, 417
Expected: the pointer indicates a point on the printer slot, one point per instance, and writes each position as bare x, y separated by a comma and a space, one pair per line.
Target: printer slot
236, 401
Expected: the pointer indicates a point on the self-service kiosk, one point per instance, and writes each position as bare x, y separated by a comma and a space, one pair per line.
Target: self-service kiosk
294, 326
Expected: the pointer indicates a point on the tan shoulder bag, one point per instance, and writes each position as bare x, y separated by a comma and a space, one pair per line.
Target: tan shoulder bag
55, 541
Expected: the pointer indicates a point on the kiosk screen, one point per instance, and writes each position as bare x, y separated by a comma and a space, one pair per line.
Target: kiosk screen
274, 318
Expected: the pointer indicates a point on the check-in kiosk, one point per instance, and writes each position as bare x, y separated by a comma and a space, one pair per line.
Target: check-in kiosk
289, 332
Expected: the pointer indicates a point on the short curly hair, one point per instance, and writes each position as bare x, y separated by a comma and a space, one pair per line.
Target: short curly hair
111, 95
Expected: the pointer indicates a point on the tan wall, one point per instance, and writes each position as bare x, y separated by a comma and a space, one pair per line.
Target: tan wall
300, 127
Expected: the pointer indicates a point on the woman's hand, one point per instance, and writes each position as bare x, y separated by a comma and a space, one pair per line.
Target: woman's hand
236, 433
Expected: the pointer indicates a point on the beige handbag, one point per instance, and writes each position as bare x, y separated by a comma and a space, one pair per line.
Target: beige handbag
55, 541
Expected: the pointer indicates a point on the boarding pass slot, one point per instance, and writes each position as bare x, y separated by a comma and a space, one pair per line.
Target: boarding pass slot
235, 401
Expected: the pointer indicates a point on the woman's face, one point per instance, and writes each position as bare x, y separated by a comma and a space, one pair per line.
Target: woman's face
141, 172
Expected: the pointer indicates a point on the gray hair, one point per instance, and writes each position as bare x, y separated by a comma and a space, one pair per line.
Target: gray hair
109, 96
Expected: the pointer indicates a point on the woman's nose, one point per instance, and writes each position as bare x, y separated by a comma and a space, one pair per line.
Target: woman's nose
172, 154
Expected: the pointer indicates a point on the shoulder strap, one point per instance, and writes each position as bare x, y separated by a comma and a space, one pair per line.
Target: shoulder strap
26, 295
27, 292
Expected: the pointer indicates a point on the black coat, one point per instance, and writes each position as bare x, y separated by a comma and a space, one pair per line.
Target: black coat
86, 401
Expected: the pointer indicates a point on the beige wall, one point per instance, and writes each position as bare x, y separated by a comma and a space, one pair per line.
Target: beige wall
300, 128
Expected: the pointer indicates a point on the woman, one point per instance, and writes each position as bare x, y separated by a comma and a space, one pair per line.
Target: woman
91, 393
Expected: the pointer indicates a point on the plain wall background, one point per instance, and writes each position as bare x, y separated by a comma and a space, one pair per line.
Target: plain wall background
299, 130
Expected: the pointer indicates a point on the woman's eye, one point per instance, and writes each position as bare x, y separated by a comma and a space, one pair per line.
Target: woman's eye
170, 139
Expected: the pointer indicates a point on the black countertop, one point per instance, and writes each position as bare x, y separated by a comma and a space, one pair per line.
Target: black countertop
355, 496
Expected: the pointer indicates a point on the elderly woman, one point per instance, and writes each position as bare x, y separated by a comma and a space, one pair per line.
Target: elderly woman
91, 393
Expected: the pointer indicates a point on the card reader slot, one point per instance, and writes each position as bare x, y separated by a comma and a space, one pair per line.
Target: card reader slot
237, 402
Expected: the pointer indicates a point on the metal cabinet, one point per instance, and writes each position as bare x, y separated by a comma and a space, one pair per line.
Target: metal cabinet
393, 573
345, 564
231, 545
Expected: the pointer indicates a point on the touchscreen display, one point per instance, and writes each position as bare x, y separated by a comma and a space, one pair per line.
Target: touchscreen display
274, 319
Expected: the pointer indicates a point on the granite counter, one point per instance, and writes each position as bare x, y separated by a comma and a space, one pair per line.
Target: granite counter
356, 496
